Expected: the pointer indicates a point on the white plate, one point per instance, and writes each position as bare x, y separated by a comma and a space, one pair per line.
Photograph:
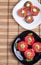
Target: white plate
20, 20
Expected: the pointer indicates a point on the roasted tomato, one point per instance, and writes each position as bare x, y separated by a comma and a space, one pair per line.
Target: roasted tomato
22, 46
28, 4
29, 19
22, 12
35, 10
29, 39
37, 47
29, 54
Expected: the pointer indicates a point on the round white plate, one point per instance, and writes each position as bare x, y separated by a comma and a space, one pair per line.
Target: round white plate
21, 21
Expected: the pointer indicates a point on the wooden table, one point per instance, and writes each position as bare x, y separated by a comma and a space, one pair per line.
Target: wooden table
9, 29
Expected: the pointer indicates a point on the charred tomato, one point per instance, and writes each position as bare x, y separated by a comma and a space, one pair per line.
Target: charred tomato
35, 10
28, 4
22, 12
29, 19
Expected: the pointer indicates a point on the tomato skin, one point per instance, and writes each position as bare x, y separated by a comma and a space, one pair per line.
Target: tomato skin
29, 20
20, 46
35, 13
37, 45
22, 14
29, 39
28, 4
32, 54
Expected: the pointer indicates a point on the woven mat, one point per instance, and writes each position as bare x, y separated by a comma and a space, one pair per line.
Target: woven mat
9, 29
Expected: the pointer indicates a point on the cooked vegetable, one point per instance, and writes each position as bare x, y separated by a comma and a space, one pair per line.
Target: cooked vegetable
35, 10
22, 46
22, 12
30, 39
37, 47
28, 4
29, 60
29, 54
30, 34
29, 19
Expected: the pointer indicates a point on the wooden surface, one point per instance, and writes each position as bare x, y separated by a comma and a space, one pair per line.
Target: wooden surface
9, 29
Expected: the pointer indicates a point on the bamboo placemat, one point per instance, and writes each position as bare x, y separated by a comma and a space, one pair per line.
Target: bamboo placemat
3, 31
9, 29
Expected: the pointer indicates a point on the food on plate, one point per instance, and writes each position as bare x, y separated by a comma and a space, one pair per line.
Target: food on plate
22, 46
28, 4
28, 11
29, 39
29, 54
29, 60
28, 46
29, 19
37, 47
30, 34
22, 12
35, 10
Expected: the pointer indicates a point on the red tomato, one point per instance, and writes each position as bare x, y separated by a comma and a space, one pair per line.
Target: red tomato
29, 54
37, 47
22, 12
22, 46
29, 19
34, 10
29, 39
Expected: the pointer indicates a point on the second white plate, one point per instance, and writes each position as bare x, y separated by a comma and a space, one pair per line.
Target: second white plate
20, 20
